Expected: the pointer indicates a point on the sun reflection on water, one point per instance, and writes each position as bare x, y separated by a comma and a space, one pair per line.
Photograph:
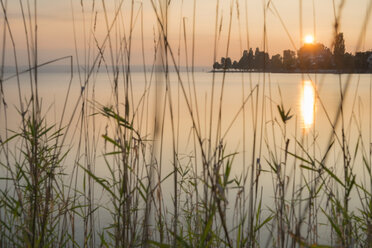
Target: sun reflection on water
308, 104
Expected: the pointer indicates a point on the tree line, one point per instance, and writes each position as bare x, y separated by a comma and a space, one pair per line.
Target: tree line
310, 57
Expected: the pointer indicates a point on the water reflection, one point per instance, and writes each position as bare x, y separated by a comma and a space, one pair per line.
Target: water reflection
308, 104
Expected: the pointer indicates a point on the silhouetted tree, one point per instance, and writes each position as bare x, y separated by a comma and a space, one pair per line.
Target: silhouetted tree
361, 61
310, 57
247, 60
223, 62
324, 59
243, 62
314, 56
228, 63
261, 59
348, 65
216, 65
235, 65
276, 63
250, 58
289, 60
339, 51
369, 60
256, 58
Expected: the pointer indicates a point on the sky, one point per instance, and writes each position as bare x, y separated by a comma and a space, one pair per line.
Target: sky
56, 36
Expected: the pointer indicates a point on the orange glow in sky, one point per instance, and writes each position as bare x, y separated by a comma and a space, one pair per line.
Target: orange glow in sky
58, 19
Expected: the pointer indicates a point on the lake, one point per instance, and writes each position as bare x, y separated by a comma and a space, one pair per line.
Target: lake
237, 111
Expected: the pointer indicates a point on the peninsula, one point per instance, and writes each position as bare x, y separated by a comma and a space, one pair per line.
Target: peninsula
311, 57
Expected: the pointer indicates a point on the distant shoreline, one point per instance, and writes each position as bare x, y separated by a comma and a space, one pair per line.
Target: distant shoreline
291, 71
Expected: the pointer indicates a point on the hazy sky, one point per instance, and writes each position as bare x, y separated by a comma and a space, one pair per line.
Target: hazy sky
56, 35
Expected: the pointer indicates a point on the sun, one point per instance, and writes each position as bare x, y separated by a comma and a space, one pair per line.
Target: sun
309, 39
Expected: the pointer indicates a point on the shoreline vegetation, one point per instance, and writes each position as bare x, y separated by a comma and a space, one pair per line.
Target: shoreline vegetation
310, 58
288, 72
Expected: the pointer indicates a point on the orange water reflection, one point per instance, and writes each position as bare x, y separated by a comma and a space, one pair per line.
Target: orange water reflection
308, 104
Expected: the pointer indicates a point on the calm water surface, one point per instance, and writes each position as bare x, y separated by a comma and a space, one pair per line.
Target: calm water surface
312, 99
312, 115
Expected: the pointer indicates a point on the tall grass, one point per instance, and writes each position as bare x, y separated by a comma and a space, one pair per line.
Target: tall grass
99, 176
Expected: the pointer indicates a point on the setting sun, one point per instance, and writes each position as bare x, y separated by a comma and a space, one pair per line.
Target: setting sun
309, 39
